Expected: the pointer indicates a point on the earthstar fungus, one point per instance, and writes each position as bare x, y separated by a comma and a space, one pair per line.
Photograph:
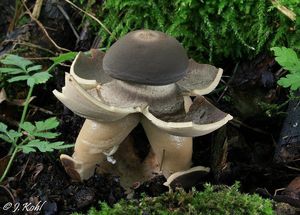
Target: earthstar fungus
145, 77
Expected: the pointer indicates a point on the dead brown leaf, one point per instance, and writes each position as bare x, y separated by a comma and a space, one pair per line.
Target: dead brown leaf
3, 95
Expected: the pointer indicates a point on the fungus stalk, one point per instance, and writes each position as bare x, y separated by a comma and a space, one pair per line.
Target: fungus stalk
174, 153
95, 141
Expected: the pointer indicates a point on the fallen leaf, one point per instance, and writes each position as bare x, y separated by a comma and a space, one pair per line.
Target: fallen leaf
3, 95
38, 169
293, 189
21, 102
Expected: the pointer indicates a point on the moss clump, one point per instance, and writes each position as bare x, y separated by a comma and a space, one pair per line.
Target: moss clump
210, 30
213, 200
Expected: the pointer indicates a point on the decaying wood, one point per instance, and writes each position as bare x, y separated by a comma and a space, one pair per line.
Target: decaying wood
219, 152
288, 147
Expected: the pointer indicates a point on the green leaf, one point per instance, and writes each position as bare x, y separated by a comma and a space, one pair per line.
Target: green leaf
48, 135
34, 68
18, 78
8, 136
17, 61
5, 138
47, 124
40, 145
64, 57
287, 58
11, 71
30, 81
291, 80
27, 149
3, 127
28, 126
40, 129
41, 77
12, 134
45, 146
61, 145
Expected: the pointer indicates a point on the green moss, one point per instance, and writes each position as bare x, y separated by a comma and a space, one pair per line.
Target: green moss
210, 30
213, 200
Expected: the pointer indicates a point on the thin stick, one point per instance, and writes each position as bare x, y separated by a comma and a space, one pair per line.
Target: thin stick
43, 29
35, 46
9, 164
17, 13
293, 168
93, 17
9, 192
38, 58
284, 10
37, 9
162, 160
32, 45
64, 13
277, 190
43, 110
235, 122
229, 82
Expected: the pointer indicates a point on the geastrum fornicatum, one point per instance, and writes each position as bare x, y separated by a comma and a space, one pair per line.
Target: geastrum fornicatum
145, 77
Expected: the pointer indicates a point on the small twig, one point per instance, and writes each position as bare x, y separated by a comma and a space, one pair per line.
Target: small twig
293, 168
64, 13
93, 17
96, 42
37, 9
35, 46
43, 110
9, 192
229, 82
50, 28
223, 93
16, 42
284, 10
162, 160
297, 105
13, 155
273, 141
65, 65
277, 190
22, 172
38, 58
235, 121
280, 73
17, 13
222, 81
43, 29
84, 31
